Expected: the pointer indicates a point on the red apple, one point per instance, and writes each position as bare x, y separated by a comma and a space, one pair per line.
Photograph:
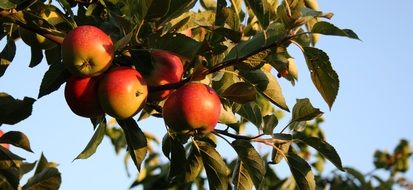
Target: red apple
122, 92
81, 96
194, 106
168, 68
87, 51
7, 146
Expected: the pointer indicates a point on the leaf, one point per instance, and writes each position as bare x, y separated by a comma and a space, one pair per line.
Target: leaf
326, 28
233, 35
194, 164
13, 110
252, 112
166, 145
240, 92
322, 74
136, 140
241, 178
42, 164
267, 85
258, 7
26, 168
17, 139
216, 169
94, 142
157, 9
36, 58
178, 161
177, 8
49, 178
5, 184
227, 116
283, 146
8, 4
53, 55
301, 171
303, 110
188, 47
7, 55
321, 146
270, 122
251, 160
356, 174
117, 137
53, 79
8, 159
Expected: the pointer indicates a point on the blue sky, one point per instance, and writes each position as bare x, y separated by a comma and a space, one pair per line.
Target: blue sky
372, 110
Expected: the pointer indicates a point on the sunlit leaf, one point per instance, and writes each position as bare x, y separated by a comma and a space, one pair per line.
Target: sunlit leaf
8, 159
17, 139
301, 171
258, 7
216, 169
322, 74
188, 47
240, 92
270, 122
252, 112
251, 160
49, 178
194, 165
326, 28
241, 178
136, 140
13, 110
94, 142
303, 110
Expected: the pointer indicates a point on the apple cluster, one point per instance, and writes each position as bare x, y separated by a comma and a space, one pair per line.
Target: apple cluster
97, 86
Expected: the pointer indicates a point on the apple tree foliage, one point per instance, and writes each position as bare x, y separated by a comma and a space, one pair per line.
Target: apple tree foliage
233, 47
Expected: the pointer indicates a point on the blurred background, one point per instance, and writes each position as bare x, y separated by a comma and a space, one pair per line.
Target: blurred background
372, 110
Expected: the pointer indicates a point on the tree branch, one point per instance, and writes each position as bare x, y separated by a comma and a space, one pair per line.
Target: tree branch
224, 132
15, 17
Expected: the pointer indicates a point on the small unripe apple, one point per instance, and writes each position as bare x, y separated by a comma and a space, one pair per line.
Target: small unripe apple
167, 69
122, 92
81, 96
194, 106
7, 146
36, 40
87, 51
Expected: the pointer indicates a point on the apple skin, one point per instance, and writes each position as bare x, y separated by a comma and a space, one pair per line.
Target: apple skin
87, 51
167, 69
194, 106
81, 96
5, 145
122, 92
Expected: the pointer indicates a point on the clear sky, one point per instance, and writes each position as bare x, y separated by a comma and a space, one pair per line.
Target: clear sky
372, 110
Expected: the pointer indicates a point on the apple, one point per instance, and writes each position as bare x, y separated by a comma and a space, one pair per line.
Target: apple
122, 92
5, 145
195, 106
167, 68
36, 40
81, 96
87, 51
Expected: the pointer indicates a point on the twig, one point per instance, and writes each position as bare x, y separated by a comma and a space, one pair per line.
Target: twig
226, 133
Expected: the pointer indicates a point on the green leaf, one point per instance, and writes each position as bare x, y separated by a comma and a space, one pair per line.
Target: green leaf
251, 160
53, 55
177, 8
254, 62
53, 79
227, 116
36, 58
188, 47
117, 137
158, 9
240, 92
194, 164
8, 4
241, 178
166, 145
267, 85
233, 35
326, 28
178, 161
136, 140
13, 110
5, 184
252, 112
322, 74
270, 122
321, 146
42, 164
17, 139
8, 159
94, 142
356, 174
7, 55
49, 178
303, 110
282, 142
301, 171
26, 168
259, 9
216, 169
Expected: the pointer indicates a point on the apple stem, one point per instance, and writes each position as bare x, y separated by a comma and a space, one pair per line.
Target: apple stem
14, 17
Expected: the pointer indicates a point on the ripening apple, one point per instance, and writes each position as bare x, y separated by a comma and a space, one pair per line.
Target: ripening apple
195, 106
81, 96
36, 40
122, 92
167, 68
87, 51
7, 146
